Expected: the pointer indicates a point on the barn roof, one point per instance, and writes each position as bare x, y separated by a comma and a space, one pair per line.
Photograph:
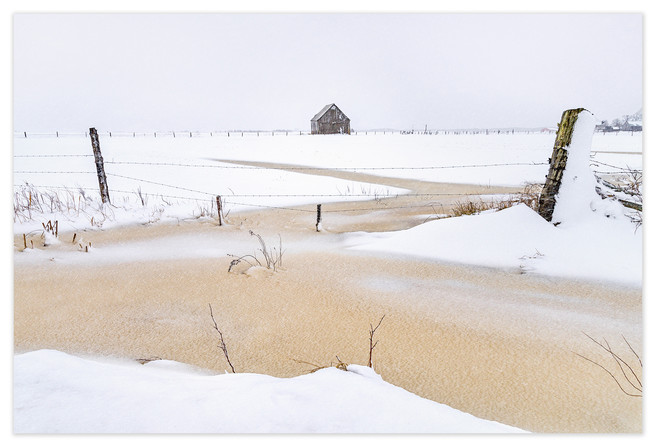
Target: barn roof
324, 110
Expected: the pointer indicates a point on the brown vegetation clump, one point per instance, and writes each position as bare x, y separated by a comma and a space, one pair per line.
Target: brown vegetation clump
529, 197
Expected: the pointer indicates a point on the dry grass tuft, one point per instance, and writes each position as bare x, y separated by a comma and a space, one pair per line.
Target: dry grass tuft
529, 197
339, 365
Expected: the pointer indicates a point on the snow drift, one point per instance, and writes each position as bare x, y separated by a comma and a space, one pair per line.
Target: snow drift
594, 238
57, 392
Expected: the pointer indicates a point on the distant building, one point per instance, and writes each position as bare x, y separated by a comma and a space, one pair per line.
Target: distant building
330, 120
604, 127
631, 126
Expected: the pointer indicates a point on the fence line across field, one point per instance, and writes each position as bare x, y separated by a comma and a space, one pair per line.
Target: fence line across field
296, 167
52, 156
254, 205
620, 171
263, 133
100, 171
339, 168
345, 195
281, 132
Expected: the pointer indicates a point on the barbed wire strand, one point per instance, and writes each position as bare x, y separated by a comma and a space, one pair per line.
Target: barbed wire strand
52, 156
55, 172
254, 205
89, 188
337, 168
627, 169
160, 184
311, 168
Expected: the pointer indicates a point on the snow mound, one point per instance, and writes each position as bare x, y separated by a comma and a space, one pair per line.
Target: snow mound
57, 392
517, 238
496, 239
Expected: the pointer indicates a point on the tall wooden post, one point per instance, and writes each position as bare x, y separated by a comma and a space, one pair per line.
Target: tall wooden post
219, 210
318, 226
100, 167
558, 160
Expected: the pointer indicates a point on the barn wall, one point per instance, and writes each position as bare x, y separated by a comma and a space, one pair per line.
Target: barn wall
331, 123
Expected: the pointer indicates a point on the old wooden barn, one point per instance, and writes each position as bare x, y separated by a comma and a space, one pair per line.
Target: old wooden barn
330, 120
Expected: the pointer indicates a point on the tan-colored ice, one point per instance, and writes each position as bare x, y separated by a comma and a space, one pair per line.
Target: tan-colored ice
498, 344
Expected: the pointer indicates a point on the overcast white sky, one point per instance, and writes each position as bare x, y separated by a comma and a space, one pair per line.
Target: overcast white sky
136, 72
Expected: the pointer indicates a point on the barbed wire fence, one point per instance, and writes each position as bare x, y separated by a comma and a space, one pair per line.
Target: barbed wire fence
181, 192
231, 196
284, 132
288, 132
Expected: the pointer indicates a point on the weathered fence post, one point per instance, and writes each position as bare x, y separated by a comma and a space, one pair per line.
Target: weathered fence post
100, 167
219, 210
558, 161
318, 226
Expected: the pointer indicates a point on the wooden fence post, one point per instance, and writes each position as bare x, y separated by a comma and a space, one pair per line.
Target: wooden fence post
558, 161
100, 167
219, 210
318, 226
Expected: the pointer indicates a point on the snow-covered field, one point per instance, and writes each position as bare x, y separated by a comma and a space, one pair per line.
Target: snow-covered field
55, 392
189, 169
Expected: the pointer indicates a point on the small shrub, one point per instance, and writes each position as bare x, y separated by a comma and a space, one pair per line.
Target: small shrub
272, 257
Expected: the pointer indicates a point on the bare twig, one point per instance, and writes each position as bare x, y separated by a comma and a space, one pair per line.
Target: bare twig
372, 344
222, 344
621, 363
634, 353
316, 367
340, 365
618, 360
237, 260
